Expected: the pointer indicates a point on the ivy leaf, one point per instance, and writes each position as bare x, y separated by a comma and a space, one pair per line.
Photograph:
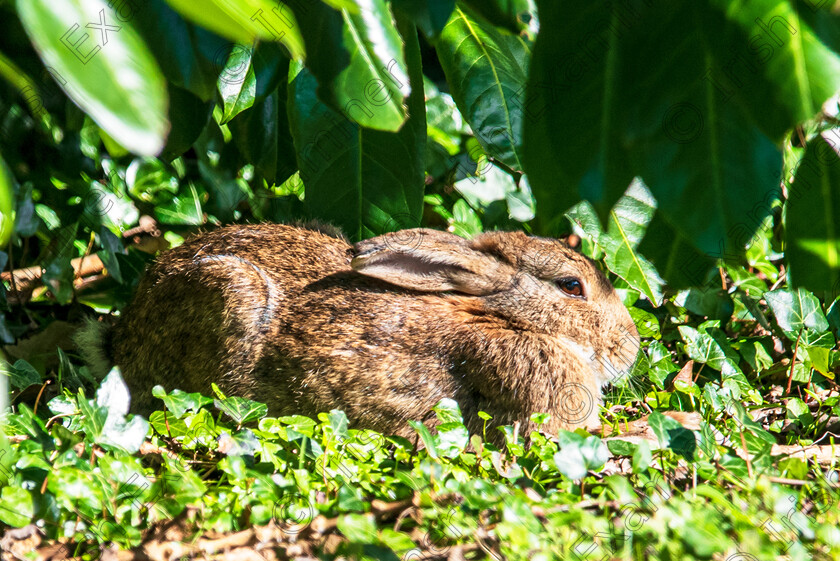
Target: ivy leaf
240, 409
627, 223
796, 309
671, 434
21, 374
179, 402
578, 455
426, 437
359, 528
106, 416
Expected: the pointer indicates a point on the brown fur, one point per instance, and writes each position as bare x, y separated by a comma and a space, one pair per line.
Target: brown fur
295, 317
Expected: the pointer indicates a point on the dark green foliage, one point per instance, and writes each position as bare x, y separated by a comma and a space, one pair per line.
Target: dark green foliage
692, 146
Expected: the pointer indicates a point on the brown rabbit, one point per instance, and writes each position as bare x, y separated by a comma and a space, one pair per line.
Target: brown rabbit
296, 317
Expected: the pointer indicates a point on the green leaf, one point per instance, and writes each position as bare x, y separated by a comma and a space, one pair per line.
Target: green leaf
627, 223
151, 181
447, 411
338, 423
357, 59
673, 435
426, 437
249, 76
496, 186
179, 402
7, 220
237, 83
430, 16
797, 63
17, 508
106, 69
368, 182
240, 409
577, 93
645, 322
578, 455
189, 56
452, 439
21, 374
486, 72
642, 457
112, 397
812, 233
714, 303
239, 443
674, 256
263, 138
246, 20
513, 15
359, 528
698, 131
705, 349
189, 116
183, 209
795, 310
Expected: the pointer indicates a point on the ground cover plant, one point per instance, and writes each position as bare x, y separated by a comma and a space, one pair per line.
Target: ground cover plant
689, 149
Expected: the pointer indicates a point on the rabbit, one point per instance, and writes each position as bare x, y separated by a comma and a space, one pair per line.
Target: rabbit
296, 317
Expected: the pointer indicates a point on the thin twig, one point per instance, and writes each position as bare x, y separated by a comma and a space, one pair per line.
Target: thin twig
38, 399
793, 361
746, 455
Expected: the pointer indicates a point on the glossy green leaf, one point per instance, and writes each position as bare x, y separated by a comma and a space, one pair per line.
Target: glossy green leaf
700, 130
627, 223
360, 528
250, 74
262, 136
788, 60
428, 439
812, 234
108, 413
574, 109
106, 69
486, 71
7, 220
514, 15
714, 303
368, 182
430, 16
705, 349
240, 409
185, 208
357, 59
246, 20
21, 374
179, 402
188, 115
237, 83
578, 455
189, 56
674, 256
796, 309
671, 434
18, 507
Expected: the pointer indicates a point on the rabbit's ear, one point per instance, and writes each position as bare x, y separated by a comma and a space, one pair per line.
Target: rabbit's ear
427, 260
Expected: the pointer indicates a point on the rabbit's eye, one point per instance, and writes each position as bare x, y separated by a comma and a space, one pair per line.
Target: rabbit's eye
572, 287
